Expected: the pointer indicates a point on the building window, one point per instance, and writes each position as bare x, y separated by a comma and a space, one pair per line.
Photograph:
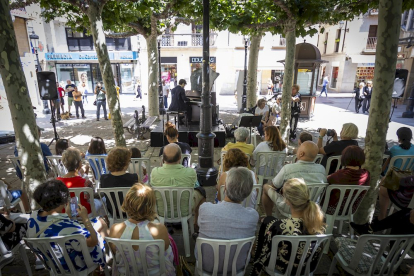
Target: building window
372, 37
325, 43
411, 27
334, 76
118, 44
337, 40
78, 41
405, 19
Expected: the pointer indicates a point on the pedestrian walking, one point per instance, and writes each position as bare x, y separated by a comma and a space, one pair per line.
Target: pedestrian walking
165, 93
367, 100
100, 100
77, 100
324, 84
295, 110
139, 93
269, 87
359, 97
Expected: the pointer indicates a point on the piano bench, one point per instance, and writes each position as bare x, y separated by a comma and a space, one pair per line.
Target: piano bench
177, 114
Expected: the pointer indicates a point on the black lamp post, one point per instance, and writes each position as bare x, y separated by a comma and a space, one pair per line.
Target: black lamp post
244, 96
160, 96
34, 39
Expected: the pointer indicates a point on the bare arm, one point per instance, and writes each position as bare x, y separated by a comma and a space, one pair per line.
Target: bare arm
92, 240
384, 167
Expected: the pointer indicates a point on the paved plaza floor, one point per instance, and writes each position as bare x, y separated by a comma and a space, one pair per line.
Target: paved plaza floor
330, 112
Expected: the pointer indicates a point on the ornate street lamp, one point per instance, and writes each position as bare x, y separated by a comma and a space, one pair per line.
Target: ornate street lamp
34, 40
244, 96
160, 96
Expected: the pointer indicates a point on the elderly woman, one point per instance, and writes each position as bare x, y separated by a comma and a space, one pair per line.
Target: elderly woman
348, 134
241, 134
262, 109
235, 158
139, 204
61, 146
229, 220
51, 221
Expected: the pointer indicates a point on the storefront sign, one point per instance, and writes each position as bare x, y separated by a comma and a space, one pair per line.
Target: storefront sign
200, 60
366, 64
122, 55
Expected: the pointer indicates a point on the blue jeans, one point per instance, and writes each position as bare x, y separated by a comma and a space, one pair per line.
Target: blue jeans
165, 102
324, 90
100, 103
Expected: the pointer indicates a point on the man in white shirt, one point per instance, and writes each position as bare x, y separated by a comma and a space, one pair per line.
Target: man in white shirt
165, 92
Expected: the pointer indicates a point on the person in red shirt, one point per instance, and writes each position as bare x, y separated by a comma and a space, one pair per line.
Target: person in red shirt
352, 159
61, 92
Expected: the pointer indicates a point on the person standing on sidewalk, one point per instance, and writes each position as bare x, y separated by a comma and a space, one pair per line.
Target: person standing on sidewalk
56, 105
69, 89
77, 96
84, 90
61, 92
367, 100
165, 92
100, 100
295, 110
324, 84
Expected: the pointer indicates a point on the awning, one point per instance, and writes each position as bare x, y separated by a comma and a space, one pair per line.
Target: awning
362, 58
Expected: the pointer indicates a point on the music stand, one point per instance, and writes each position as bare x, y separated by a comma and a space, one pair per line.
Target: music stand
250, 121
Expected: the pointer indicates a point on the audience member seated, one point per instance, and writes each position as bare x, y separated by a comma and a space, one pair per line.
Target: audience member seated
303, 137
235, 158
348, 134
97, 147
241, 135
304, 168
136, 153
50, 221
262, 109
229, 220
61, 146
139, 204
45, 151
172, 137
400, 223
11, 232
15, 194
306, 219
273, 143
352, 159
173, 174
404, 147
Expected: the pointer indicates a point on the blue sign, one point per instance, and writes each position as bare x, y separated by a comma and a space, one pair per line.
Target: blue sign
119, 55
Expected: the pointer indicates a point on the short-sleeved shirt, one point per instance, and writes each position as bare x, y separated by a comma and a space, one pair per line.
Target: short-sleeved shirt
261, 111
61, 91
164, 89
325, 82
243, 146
77, 96
335, 148
70, 92
295, 108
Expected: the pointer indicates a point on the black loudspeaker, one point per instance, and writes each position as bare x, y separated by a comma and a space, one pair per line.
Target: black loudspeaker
400, 81
47, 85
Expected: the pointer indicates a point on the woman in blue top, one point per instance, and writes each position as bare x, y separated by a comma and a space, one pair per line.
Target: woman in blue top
401, 197
97, 147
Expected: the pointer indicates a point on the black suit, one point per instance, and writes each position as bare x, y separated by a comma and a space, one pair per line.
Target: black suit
178, 101
367, 100
358, 101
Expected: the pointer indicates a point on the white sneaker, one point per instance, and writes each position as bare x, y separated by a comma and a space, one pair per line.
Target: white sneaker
6, 259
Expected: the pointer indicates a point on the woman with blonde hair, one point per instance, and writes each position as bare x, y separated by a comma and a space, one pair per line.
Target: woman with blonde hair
306, 219
139, 205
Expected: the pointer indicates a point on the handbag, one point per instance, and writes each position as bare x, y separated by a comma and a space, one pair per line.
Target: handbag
394, 178
183, 269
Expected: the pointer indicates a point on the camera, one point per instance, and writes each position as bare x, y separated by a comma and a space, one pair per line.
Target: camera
329, 132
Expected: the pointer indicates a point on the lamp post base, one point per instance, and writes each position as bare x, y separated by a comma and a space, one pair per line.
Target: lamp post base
46, 111
207, 176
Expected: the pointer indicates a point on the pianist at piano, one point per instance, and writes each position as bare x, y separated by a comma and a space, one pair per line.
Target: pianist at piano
179, 99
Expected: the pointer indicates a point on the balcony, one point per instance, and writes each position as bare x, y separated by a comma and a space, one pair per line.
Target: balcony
186, 40
282, 42
371, 44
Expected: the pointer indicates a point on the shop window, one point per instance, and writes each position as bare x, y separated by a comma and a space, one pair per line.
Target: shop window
334, 77
118, 44
78, 41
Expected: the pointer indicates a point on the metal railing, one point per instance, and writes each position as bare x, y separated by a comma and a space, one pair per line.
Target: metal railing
185, 40
371, 44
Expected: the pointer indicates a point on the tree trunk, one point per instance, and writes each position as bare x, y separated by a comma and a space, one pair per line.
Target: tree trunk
24, 122
288, 78
252, 70
389, 20
152, 50
94, 13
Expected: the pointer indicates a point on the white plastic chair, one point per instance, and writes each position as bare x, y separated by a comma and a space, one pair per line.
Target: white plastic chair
97, 161
274, 162
329, 161
363, 258
5, 197
110, 194
89, 191
226, 247
22, 252
170, 213
17, 164
407, 162
56, 165
316, 191
345, 213
126, 251
246, 202
55, 248
310, 243
137, 166
317, 160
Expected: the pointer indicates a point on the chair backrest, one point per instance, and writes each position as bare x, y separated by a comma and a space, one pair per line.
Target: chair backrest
405, 162
98, 165
274, 162
81, 192
381, 265
131, 261
329, 161
113, 198
227, 245
316, 191
247, 201
317, 160
137, 166
16, 162
57, 166
53, 251
172, 196
4, 195
188, 157
345, 205
312, 244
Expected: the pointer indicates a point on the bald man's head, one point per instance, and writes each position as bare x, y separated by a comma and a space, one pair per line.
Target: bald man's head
172, 154
307, 151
